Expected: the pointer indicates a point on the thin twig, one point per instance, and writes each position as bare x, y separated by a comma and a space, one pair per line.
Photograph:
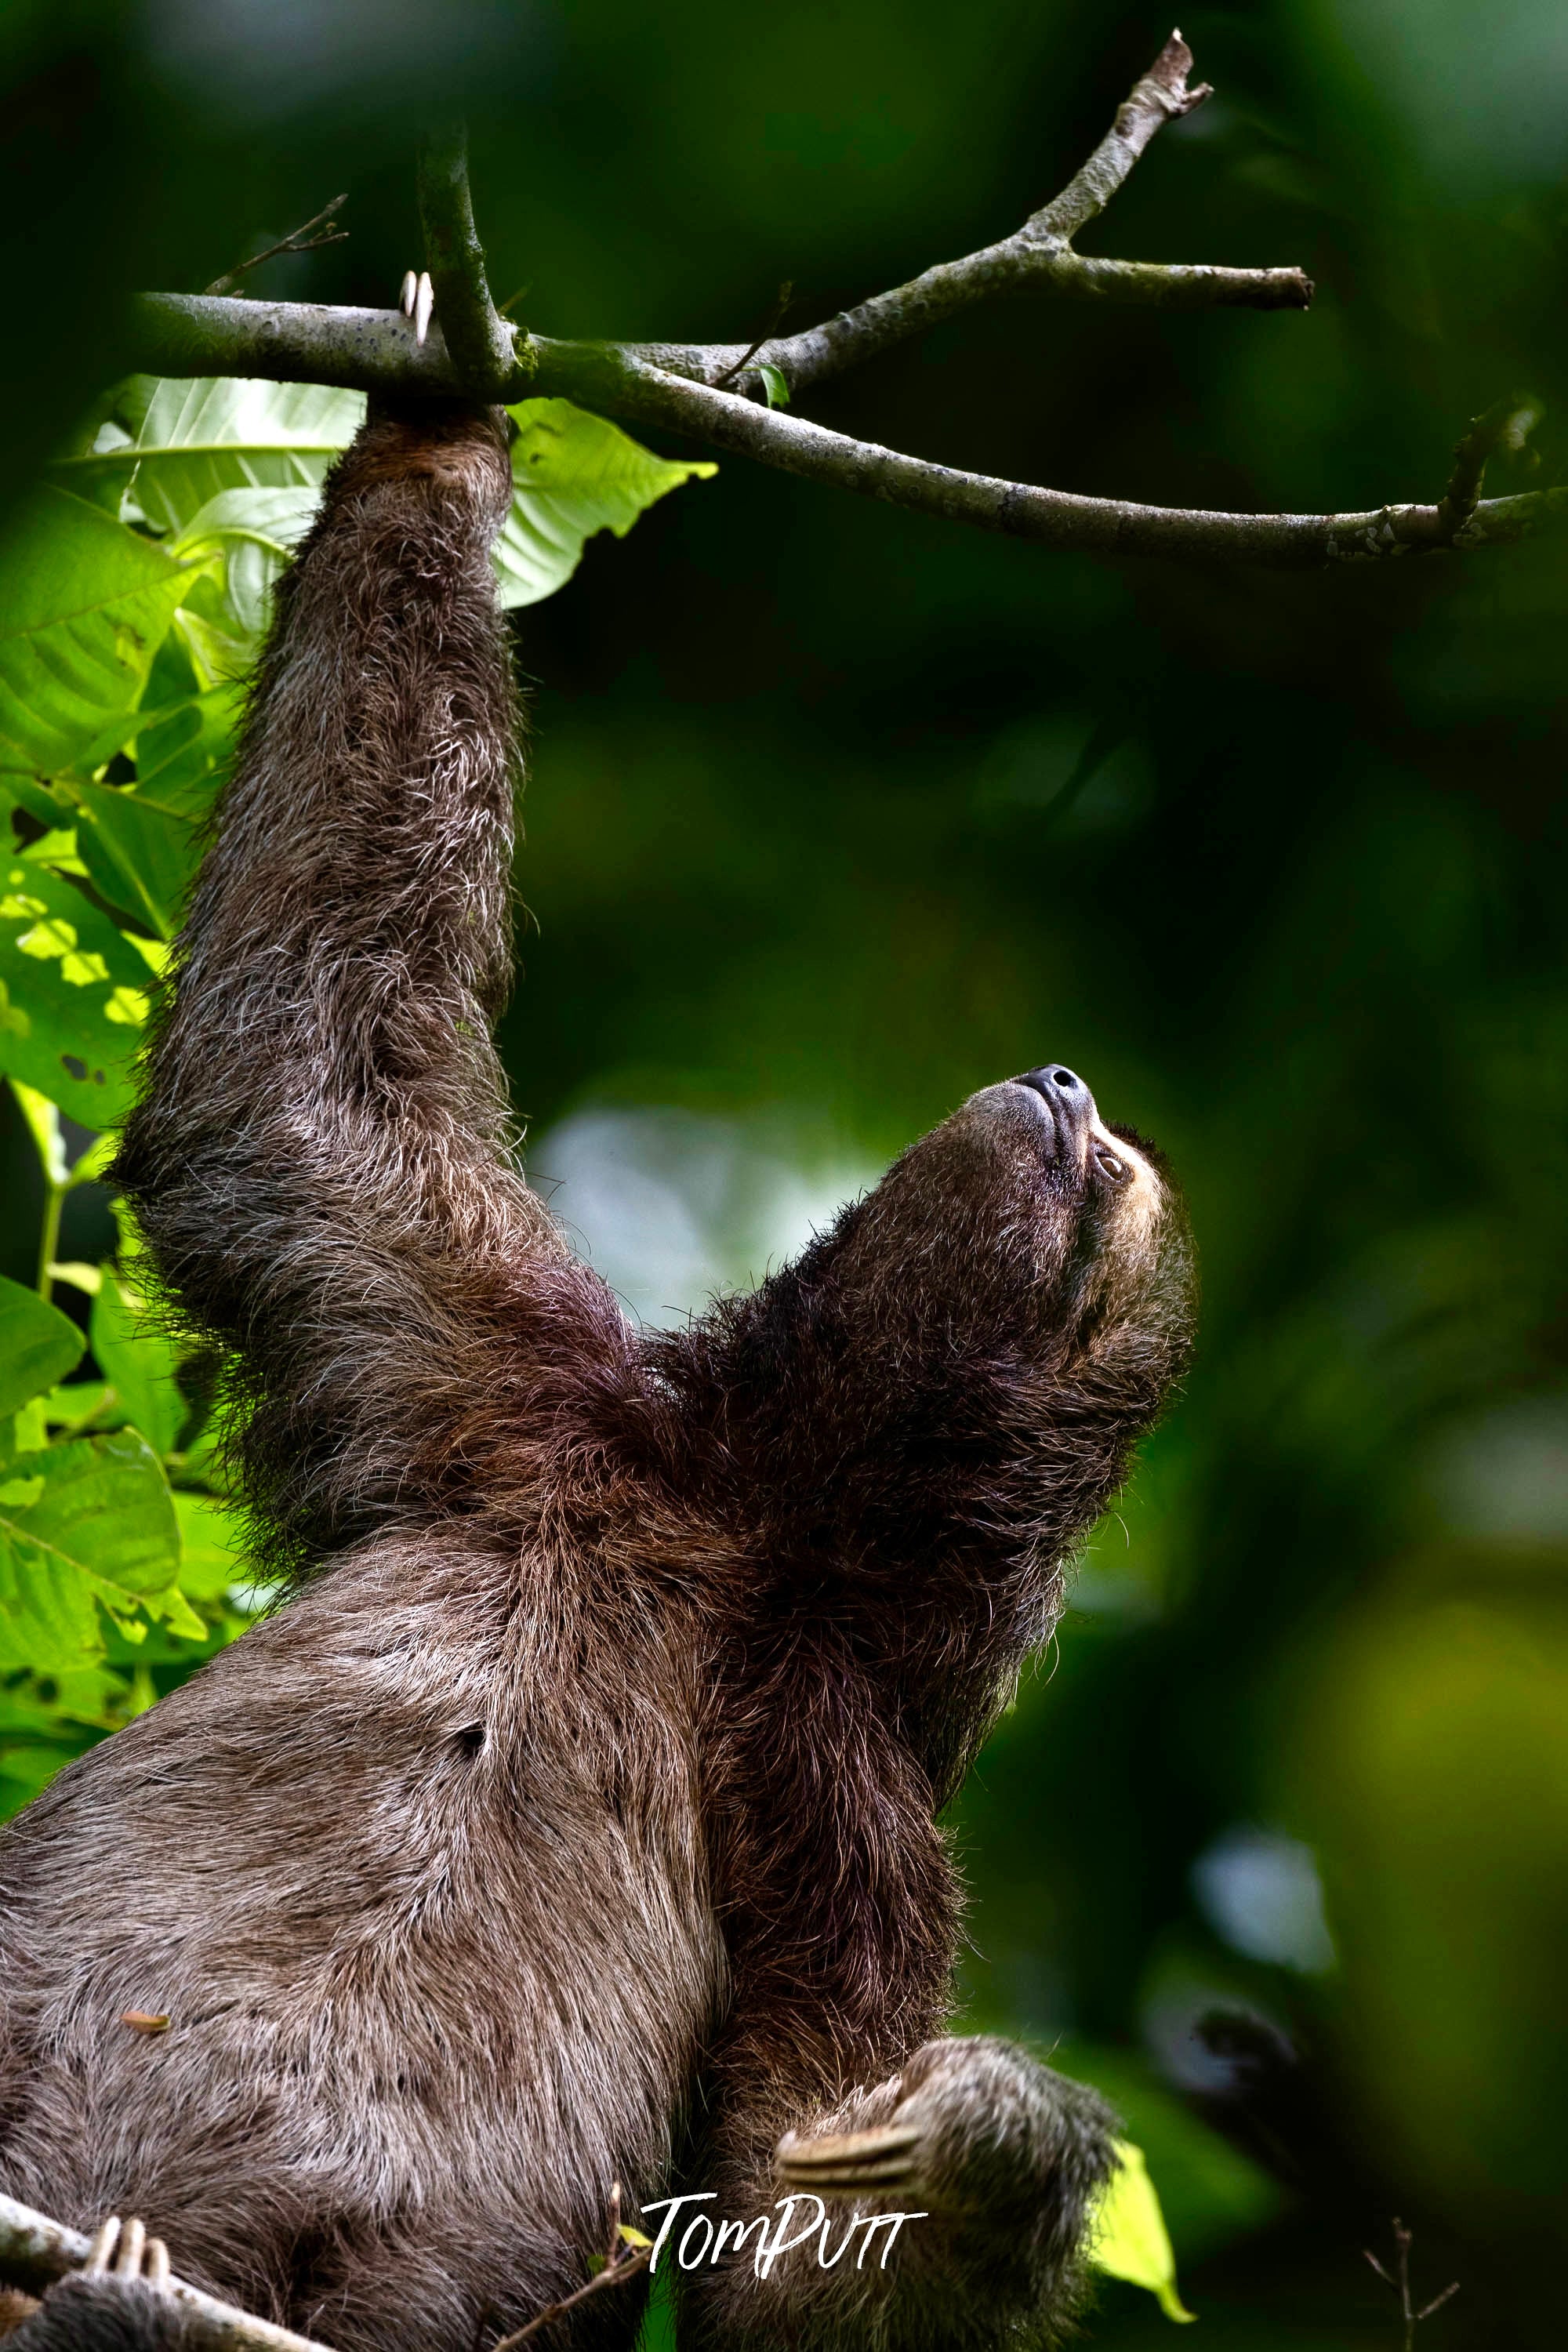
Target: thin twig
785, 295
298, 240
478, 339
633, 2260
1399, 2279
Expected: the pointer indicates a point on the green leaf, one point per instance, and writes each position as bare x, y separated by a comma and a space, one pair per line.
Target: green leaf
138, 1360
139, 856
85, 1523
84, 604
254, 531
192, 439
212, 1547
43, 1121
1129, 2239
183, 758
575, 474
775, 384
72, 996
79, 1402
38, 1346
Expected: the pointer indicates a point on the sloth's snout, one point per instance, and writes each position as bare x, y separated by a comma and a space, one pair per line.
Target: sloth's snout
1066, 1099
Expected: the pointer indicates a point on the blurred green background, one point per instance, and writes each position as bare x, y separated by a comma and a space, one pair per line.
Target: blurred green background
836, 814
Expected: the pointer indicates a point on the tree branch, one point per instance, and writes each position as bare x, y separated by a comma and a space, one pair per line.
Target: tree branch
1159, 98
197, 334
35, 2251
1037, 258
680, 386
478, 339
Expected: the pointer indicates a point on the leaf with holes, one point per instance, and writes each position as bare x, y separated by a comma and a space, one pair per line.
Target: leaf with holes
74, 995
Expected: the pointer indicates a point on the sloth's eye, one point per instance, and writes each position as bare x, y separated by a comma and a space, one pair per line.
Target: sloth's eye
1108, 1165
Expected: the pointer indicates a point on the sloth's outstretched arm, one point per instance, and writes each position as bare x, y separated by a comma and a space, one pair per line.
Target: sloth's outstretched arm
321, 1161
999, 2157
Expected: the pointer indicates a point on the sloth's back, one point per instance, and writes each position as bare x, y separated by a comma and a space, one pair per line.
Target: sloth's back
413, 1872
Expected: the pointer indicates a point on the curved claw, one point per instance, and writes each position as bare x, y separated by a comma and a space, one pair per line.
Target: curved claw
409, 289
105, 2238
424, 303
844, 2163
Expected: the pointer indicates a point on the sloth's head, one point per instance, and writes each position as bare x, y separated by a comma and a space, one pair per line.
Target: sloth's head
965, 1358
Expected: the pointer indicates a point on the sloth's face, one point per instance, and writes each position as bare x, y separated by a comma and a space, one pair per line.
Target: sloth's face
1026, 1225
1086, 1169
965, 1358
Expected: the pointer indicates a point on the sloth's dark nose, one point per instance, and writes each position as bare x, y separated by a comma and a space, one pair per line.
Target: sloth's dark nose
1065, 1096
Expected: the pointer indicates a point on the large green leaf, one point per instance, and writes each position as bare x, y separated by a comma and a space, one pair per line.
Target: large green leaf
192, 439
141, 856
183, 759
73, 995
88, 1522
575, 474
139, 1359
254, 531
84, 604
39, 1345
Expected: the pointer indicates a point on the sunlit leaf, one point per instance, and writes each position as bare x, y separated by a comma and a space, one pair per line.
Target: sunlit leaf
212, 1551
84, 603
74, 996
192, 439
1129, 2239
775, 384
39, 1345
87, 1523
575, 474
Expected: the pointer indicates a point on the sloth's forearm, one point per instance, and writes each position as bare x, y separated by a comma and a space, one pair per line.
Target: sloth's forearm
320, 1159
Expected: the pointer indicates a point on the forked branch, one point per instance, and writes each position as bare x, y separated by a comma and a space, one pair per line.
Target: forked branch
714, 392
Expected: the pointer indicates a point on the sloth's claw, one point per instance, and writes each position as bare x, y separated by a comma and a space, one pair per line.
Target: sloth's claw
410, 289
845, 2164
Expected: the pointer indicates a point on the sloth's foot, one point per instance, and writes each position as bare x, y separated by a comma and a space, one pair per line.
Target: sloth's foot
971, 2127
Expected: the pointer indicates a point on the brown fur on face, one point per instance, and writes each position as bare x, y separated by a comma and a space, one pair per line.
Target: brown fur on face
575, 1823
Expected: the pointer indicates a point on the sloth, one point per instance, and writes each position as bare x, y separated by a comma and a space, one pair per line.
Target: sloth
572, 1831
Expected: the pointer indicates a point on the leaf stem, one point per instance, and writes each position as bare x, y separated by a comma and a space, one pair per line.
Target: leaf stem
49, 1235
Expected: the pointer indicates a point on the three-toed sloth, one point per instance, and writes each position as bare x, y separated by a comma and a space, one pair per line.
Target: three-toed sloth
574, 1822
